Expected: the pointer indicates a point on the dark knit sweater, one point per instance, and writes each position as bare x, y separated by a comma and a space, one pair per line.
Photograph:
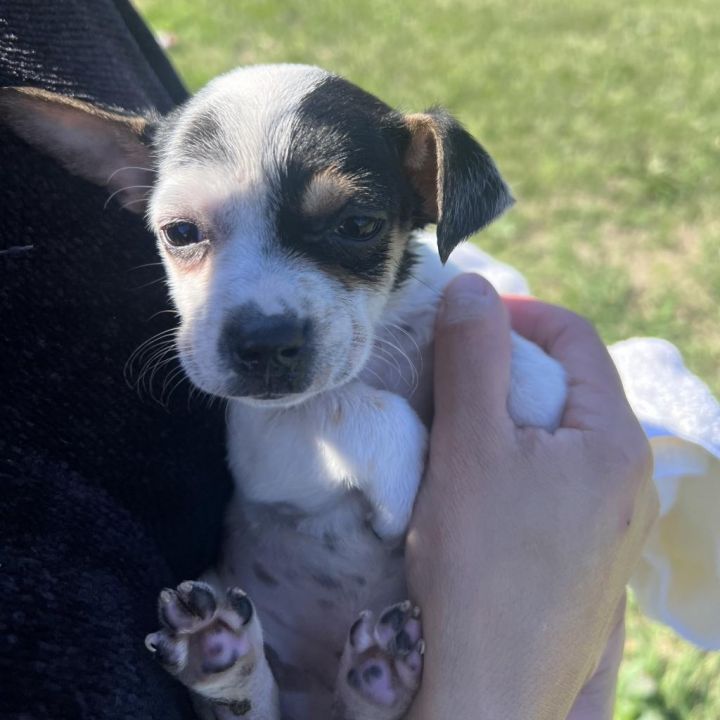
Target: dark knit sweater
105, 496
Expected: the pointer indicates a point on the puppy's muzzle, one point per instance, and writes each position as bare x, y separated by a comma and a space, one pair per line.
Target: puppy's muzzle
269, 355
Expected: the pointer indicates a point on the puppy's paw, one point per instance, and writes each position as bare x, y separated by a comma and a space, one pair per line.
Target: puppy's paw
382, 663
207, 642
538, 386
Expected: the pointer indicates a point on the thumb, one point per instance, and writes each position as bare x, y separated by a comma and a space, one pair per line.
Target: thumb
472, 352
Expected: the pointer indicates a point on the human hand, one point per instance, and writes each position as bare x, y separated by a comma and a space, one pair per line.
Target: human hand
522, 542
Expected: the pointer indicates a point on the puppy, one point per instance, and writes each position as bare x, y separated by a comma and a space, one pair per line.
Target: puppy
289, 206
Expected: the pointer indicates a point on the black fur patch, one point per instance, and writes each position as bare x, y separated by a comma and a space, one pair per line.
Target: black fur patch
408, 261
340, 126
474, 193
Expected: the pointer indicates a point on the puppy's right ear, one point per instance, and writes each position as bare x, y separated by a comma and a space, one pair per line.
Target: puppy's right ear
107, 148
460, 187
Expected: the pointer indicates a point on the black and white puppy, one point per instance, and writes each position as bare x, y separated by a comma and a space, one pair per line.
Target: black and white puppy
288, 206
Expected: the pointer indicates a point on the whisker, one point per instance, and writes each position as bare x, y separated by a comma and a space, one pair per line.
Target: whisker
410, 337
127, 187
159, 364
181, 378
170, 382
381, 381
157, 360
146, 265
126, 205
414, 372
128, 167
163, 339
162, 312
387, 356
162, 335
438, 292
148, 284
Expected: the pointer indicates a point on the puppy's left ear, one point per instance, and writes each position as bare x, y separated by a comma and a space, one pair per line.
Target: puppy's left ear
106, 147
460, 187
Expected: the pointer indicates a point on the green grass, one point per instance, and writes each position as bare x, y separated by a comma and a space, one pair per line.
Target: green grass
605, 118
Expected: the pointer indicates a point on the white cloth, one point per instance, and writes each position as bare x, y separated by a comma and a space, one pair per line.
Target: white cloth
678, 579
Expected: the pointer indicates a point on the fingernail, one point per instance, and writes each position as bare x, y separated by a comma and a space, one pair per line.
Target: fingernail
467, 297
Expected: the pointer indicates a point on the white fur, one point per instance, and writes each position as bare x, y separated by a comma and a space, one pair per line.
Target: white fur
366, 435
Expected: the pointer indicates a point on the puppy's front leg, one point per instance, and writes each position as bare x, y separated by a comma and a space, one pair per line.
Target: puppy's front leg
215, 647
353, 437
385, 443
377, 441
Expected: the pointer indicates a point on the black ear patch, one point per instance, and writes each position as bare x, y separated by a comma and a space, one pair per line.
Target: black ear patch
460, 186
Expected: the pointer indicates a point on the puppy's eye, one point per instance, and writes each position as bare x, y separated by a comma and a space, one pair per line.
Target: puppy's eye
360, 227
181, 233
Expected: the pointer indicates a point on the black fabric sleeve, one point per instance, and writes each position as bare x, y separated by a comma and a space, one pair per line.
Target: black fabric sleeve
106, 495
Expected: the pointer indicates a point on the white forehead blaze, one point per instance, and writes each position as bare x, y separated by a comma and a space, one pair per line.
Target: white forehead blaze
249, 110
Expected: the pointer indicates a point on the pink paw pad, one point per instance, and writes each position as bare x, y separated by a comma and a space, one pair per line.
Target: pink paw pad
219, 648
201, 636
385, 657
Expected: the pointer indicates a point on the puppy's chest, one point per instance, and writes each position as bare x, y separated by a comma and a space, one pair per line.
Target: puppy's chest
310, 576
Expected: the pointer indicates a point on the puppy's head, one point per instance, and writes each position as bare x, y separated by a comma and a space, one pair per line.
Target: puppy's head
283, 199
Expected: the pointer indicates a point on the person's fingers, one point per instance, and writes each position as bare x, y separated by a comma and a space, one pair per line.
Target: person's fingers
594, 385
472, 352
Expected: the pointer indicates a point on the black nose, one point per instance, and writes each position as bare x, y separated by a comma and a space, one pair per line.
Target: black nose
274, 342
269, 353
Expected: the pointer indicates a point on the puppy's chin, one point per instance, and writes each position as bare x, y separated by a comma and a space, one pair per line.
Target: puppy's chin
278, 402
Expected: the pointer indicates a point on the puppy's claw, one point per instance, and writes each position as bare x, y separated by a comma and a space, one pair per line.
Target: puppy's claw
198, 598
171, 611
164, 649
240, 603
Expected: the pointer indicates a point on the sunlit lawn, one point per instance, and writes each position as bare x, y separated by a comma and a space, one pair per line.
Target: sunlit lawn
605, 118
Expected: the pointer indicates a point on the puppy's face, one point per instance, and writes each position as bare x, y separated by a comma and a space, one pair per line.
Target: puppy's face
282, 210
283, 202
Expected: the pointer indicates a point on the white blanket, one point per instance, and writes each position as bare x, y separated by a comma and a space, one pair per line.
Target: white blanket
678, 578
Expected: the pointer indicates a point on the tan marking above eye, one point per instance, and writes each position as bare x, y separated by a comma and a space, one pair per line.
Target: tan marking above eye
326, 192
